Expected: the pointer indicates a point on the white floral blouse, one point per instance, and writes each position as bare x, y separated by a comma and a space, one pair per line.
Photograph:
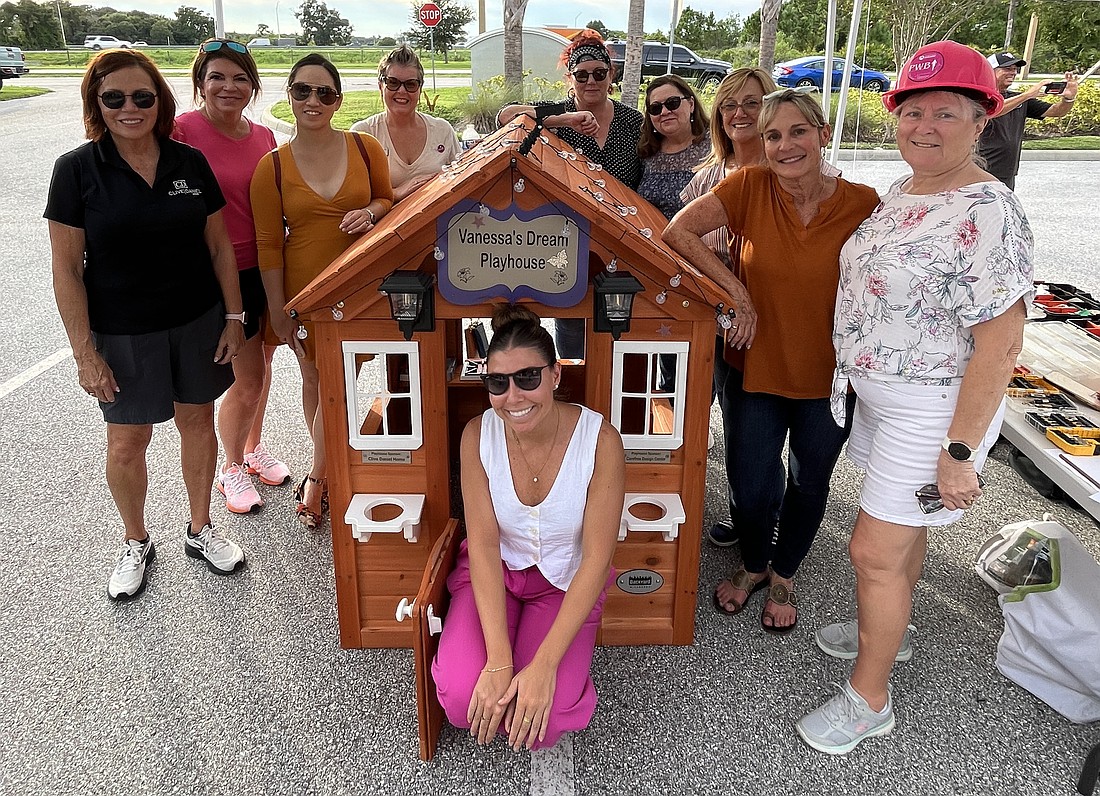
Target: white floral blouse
917, 274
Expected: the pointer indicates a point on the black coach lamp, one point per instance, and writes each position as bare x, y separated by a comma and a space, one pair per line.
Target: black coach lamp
613, 301
412, 300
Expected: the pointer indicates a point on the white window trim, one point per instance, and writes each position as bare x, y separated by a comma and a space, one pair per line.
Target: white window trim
356, 440
648, 441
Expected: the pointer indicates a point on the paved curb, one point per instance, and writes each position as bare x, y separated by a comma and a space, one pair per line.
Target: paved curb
1026, 154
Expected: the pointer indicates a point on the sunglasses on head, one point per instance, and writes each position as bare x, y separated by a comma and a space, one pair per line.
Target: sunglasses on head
672, 103
783, 93
527, 379
116, 99
582, 75
393, 84
214, 46
301, 91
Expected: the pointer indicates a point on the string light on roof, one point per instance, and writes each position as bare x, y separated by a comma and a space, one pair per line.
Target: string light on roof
338, 311
675, 281
646, 232
438, 254
519, 186
613, 266
661, 297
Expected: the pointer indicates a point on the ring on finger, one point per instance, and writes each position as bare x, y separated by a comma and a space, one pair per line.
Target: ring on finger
527, 721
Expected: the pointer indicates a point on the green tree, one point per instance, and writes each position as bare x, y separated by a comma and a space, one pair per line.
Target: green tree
386, 41
29, 25
191, 26
262, 31
600, 28
449, 32
322, 25
705, 32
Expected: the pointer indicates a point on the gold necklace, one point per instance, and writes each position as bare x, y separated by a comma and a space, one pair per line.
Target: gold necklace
527, 464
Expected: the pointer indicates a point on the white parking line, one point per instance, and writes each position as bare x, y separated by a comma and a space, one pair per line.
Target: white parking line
15, 382
552, 769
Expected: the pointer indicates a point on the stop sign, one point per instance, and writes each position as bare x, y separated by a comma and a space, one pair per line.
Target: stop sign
430, 15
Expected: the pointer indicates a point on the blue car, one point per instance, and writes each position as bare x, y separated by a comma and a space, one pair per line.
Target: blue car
810, 71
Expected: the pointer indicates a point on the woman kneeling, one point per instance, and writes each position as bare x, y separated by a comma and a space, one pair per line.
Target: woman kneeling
527, 593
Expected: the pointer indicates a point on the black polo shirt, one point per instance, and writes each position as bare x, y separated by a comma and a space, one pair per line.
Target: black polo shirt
146, 263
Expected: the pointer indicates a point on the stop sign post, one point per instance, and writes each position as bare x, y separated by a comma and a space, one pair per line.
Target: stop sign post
430, 15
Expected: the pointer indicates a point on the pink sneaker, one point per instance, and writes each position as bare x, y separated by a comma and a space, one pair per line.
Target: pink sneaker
270, 470
241, 496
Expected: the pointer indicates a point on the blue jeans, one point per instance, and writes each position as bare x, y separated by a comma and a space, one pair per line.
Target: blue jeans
779, 513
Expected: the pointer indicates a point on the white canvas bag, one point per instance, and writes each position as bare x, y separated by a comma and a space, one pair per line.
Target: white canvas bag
1051, 640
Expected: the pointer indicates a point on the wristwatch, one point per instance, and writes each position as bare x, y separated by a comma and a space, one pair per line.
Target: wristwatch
235, 316
959, 451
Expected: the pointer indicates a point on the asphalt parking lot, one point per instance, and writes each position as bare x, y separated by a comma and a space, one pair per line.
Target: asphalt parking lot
236, 685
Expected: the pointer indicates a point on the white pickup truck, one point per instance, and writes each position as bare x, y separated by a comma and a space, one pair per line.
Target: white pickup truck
12, 63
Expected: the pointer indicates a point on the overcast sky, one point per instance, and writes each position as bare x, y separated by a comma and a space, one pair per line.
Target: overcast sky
390, 17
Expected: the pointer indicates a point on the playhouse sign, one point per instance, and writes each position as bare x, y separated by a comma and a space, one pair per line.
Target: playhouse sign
512, 253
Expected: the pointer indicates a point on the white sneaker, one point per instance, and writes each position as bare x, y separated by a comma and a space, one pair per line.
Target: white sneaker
241, 496
222, 555
270, 470
128, 579
839, 725
841, 640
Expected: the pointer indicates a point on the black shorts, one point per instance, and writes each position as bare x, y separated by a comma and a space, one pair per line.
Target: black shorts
154, 371
254, 300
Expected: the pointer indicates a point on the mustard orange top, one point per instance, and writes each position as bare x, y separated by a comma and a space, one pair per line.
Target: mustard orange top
791, 271
312, 238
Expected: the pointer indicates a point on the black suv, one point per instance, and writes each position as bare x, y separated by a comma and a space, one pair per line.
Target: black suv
706, 72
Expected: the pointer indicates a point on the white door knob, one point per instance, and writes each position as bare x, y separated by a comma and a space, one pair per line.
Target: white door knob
405, 608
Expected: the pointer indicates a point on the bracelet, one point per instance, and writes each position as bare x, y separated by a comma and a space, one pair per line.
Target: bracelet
497, 669
371, 214
1068, 100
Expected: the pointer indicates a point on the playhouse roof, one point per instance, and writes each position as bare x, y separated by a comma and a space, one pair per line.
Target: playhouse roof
623, 225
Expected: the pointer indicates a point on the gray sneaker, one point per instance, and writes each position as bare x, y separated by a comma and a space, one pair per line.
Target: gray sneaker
841, 640
128, 579
840, 724
222, 556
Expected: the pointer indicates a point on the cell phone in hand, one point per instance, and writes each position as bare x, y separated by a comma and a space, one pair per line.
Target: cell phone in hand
1057, 87
928, 496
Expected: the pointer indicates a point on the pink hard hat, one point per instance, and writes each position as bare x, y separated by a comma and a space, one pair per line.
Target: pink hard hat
947, 66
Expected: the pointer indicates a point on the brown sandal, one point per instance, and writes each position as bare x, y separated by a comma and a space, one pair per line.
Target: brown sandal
306, 515
779, 594
742, 581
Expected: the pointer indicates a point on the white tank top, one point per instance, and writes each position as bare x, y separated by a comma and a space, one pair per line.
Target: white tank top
547, 535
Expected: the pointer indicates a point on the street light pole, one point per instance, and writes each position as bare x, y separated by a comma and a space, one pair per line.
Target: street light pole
65, 44
278, 26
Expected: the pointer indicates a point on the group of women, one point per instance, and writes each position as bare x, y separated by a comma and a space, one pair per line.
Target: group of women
892, 324
177, 241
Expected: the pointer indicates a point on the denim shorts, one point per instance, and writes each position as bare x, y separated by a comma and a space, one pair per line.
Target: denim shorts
155, 371
896, 436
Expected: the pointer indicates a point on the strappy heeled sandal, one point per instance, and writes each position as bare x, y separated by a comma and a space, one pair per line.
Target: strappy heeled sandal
306, 515
779, 594
742, 581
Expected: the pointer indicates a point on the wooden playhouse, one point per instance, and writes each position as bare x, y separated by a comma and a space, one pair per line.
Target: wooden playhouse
522, 216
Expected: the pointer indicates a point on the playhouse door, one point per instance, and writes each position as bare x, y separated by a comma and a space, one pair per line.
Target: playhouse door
431, 607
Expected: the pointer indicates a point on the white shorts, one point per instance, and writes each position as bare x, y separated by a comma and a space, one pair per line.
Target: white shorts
896, 436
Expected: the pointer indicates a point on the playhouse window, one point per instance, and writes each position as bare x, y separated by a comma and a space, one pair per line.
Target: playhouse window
648, 381
383, 395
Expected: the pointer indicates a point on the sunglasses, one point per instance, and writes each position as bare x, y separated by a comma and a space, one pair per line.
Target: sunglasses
672, 103
116, 99
783, 93
749, 106
326, 94
582, 75
214, 46
393, 84
527, 379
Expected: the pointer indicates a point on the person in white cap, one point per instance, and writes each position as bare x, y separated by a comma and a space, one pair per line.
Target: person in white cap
1004, 135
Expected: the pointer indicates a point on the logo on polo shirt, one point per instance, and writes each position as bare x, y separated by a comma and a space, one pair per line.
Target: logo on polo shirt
180, 186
